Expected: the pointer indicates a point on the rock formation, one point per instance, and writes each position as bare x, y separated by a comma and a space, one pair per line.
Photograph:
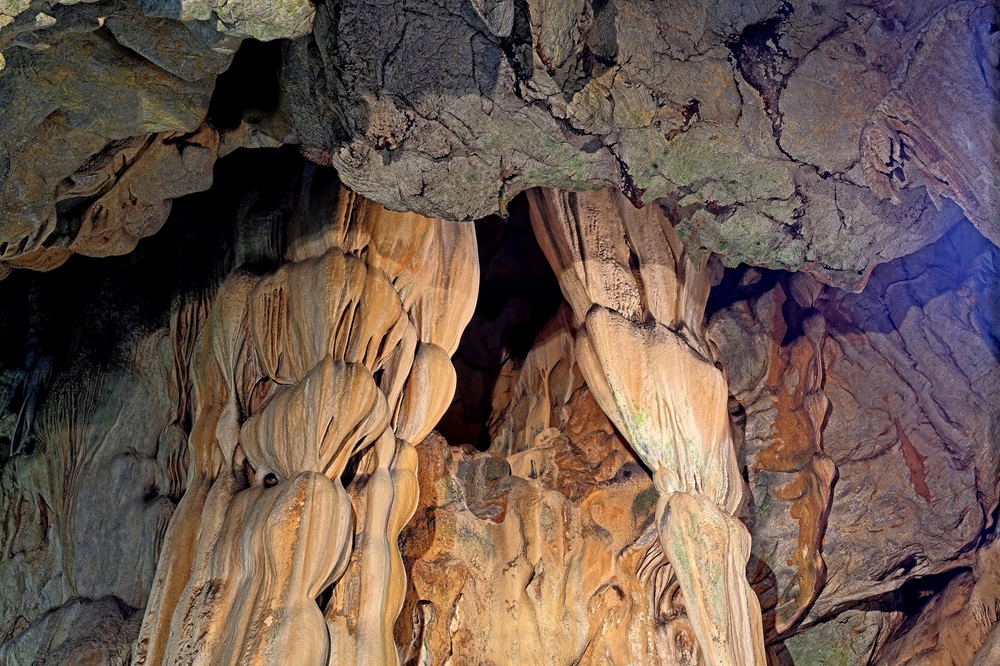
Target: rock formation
726, 108
499, 331
638, 303
343, 352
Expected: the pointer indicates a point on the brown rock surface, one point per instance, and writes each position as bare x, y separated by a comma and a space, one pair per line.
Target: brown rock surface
910, 455
286, 391
784, 131
262, 375
558, 578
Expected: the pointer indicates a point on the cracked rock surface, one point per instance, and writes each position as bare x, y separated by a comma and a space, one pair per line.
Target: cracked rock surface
791, 135
749, 116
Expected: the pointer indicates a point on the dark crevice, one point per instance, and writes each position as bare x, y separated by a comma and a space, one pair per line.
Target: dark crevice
518, 295
324, 597
352, 466
910, 599
794, 316
151, 493
762, 61
250, 87
691, 110
741, 283
517, 46
628, 186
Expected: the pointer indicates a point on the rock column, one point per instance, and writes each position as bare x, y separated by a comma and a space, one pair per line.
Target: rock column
342, 353
638, 300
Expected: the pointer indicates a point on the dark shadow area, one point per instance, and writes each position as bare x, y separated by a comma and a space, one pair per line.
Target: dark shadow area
758, 55
765, 586
518, 294
741, 283
249, 87
962, 256
961, 260
68, 324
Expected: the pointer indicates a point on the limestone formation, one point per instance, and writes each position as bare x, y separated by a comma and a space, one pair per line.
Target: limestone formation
529, 561
794, 451
341, 353
638, 302
722, 390
241, 393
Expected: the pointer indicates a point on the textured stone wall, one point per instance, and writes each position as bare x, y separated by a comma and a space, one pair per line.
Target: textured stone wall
234, 287
865, 432
824, 137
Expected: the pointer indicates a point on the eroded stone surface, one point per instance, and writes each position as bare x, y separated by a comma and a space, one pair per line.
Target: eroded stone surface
341, 352
909, 453
750, 117
79, 632
562, 580
894, 390
638, 301
792, 135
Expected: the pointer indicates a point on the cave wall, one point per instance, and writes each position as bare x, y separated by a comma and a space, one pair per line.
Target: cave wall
801, 195
866, 433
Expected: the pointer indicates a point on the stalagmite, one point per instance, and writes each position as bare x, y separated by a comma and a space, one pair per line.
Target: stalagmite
342, 352
638, 300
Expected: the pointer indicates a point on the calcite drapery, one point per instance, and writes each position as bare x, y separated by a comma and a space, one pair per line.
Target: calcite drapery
297, 372
638, 300
909, 368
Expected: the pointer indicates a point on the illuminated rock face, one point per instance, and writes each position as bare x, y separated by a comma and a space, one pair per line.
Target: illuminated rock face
220, 449
286, 394
638, 303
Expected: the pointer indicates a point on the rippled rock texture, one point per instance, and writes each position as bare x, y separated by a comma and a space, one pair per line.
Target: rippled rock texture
702, 299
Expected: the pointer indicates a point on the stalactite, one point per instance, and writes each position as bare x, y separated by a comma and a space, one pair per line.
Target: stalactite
342, 352
638, 300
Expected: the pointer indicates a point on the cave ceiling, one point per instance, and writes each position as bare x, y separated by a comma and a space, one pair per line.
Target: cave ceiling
500, 331
824, 137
